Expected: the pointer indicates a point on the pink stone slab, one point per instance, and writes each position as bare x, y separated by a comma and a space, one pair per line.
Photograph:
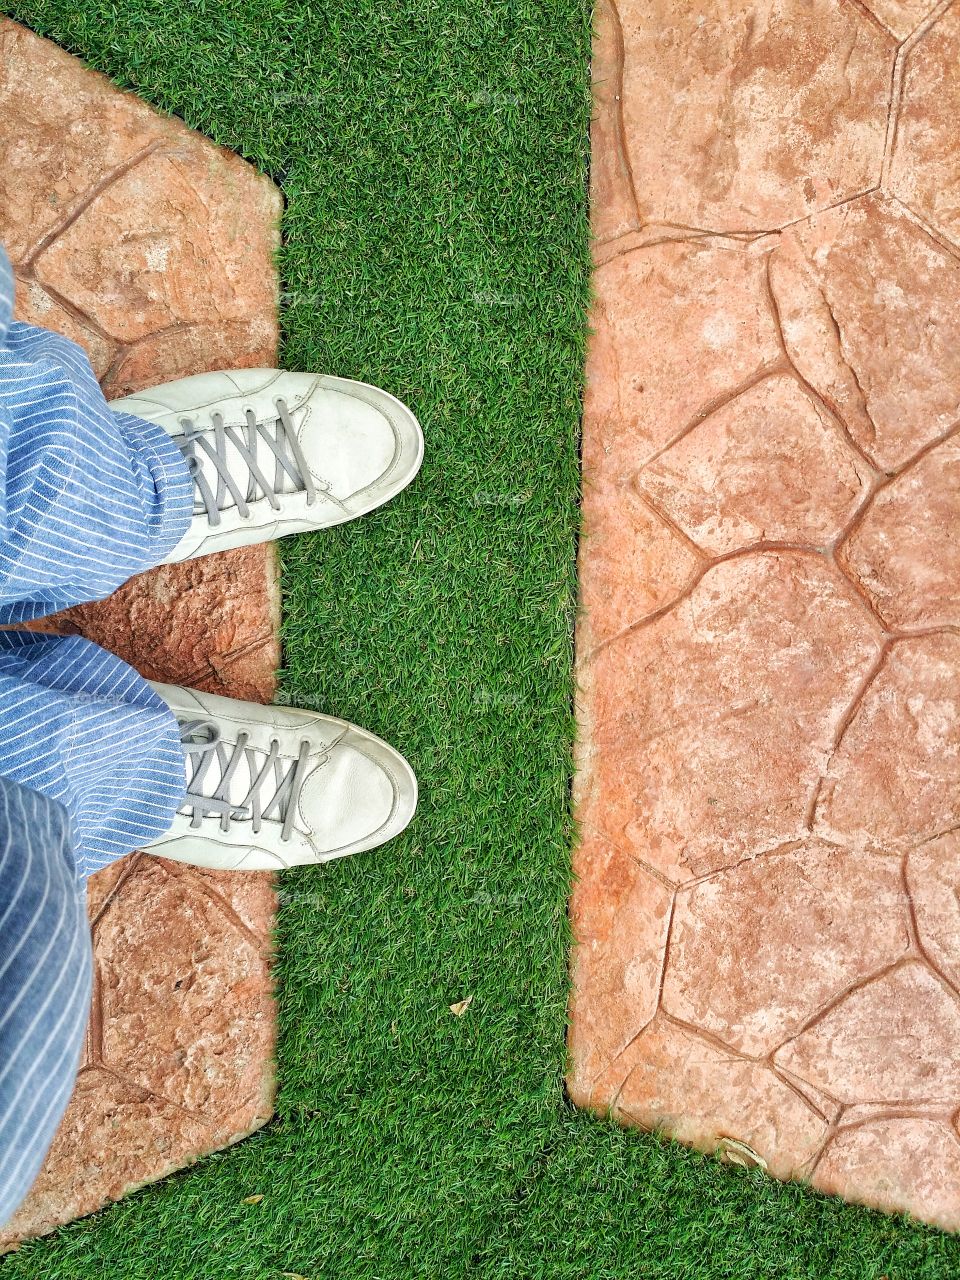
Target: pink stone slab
743, 117
153, 249
925, 163
767, 962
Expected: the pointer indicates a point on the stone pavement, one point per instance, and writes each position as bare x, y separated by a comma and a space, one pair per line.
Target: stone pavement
153, 249
767, 918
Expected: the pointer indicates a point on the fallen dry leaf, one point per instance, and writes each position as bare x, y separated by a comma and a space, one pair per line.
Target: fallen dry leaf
251, 1199
461, 1007
731, 1151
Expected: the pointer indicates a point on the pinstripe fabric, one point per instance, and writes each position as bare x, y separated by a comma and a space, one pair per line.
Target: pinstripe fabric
45, 979
88, 497
90, 758
85, 729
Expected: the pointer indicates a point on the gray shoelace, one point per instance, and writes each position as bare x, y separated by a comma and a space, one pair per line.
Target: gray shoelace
206, 752
280, 437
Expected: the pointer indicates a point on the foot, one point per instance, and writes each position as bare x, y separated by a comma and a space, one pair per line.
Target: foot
274, 453
271, 787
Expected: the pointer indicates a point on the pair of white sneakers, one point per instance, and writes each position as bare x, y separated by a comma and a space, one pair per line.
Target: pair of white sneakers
276, 453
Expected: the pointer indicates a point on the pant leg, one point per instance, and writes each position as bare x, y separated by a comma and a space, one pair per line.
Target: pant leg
88, 497
84, 729
90, 761
46, 970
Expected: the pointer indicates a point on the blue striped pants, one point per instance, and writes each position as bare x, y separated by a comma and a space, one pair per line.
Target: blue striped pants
90, 760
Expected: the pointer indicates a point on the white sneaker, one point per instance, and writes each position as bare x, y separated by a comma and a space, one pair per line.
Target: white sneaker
274, 453
271, 787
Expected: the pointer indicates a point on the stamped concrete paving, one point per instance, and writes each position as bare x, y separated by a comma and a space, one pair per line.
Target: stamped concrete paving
153, 249
767, 919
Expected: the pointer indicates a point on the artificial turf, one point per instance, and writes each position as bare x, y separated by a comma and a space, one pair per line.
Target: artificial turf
433, 157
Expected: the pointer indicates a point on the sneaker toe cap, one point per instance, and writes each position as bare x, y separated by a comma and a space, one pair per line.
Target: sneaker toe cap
363, 795
367, 446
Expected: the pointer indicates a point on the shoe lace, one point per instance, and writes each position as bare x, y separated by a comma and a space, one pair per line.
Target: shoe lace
213, 767
280, 437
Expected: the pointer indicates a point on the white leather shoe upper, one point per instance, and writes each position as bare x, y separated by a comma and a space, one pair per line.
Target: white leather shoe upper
274, 787
360, 447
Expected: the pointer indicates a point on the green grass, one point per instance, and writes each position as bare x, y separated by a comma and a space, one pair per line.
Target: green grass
433, 157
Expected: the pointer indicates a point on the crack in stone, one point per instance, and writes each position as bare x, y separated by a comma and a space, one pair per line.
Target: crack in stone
844, 724
938, 835
843, 538
648, 237
606, 251
894, 106
615, 1100
197, 677
665, 961
124, 350
832, 409
107, 181
840, 549
689, 587
753, 549
220, 663
847, 363
938, 236
132, 862
657, 1010
769, 369
739, 238
859, 593
687, 232
184, 873
786, 1074
775, 851
943, 438
818, 398
708, 1037
827, 208
932, 18
798, 1093
913, 925
665, 518
817, 1157
152, 1093
620, 131
873, 19
83, 318
836, 421
898, 1109
113, 368
652, 871
93, 1050
835, 1000
920, 633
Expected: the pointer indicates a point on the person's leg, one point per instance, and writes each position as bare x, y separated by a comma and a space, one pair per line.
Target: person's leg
45, 980
93, 764
88, 496
86, 730
92, 493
